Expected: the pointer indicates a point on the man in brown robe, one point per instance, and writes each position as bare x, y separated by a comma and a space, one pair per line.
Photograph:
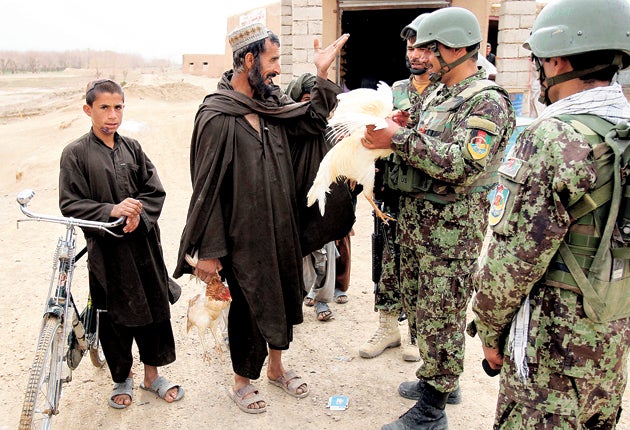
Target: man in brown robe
104, 176
242, 215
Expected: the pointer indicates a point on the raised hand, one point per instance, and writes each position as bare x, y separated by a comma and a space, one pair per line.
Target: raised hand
324, 57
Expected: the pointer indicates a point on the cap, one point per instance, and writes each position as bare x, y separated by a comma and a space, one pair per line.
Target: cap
246, 35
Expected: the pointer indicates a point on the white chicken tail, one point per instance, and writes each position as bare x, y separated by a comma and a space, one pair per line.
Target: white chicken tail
321, 186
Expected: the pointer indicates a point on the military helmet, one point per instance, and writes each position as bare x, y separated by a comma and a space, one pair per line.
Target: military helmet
412, 26
568, 27
454, 27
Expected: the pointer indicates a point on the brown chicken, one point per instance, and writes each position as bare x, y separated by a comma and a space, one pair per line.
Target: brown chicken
204, 311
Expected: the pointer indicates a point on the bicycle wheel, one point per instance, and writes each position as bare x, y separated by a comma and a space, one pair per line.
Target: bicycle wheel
94, 344
41, 401
96, 353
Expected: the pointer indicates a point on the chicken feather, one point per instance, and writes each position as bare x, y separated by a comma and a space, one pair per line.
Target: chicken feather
205, 309
348, 159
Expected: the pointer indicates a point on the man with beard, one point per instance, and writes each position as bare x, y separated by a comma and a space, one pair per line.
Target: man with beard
242, 216
388, 301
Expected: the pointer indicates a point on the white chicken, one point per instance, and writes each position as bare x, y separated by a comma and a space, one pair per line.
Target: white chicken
349, 159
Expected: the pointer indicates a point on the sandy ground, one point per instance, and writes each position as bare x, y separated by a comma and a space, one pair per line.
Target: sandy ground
39, 115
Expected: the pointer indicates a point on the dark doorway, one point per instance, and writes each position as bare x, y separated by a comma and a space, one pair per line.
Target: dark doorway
375, 51
493, 33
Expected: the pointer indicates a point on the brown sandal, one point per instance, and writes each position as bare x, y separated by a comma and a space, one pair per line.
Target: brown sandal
323, 311
243, 402
290, 382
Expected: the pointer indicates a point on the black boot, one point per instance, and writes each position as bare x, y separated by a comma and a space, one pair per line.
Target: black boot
426, 414
413, 390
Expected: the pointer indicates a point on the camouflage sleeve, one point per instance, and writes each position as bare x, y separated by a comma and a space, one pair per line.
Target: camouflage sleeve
400, 93
551, 165
477, 132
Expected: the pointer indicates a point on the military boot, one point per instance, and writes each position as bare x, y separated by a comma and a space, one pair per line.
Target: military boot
410, 350
413, 390
427, 414
387, 336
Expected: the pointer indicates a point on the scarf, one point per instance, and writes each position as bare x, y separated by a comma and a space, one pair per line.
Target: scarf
227, 101
606, 102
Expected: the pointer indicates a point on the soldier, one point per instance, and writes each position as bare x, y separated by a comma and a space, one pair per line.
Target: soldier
562, 360
463, 128
387, 300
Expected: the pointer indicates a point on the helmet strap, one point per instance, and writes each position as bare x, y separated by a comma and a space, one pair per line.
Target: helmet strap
555, 80
446, 67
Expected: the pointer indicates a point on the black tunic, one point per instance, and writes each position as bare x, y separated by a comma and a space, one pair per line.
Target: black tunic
243, 207
130, 272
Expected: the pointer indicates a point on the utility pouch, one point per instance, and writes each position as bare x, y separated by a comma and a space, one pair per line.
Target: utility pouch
604, 279
401, 177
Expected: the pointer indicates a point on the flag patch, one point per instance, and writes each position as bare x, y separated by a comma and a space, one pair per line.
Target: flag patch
479, 144
497, 207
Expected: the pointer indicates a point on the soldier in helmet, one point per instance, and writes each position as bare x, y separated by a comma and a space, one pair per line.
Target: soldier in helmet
387, 300
461, 132
563, 366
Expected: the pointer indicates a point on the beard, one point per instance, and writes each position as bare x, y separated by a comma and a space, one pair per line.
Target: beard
257, 82
412, 70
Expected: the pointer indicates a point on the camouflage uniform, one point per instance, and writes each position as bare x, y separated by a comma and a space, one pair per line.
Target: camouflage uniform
577, 367
440, 232
387, 295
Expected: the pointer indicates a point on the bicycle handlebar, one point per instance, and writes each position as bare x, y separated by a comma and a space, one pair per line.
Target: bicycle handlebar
25, 196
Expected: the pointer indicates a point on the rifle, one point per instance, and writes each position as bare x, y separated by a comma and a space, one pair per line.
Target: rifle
378, 242
384, 234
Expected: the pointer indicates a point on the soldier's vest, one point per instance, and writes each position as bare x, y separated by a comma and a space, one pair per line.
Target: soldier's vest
594, 258
406, 179
400, 93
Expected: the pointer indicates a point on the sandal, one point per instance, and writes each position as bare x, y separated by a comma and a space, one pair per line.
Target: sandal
121, 388
161, 386
323, 311
290, 382
309, 300
340, 297
243, 402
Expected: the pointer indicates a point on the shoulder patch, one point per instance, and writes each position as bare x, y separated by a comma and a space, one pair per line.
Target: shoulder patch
481, 123
497, 205
478, 144
510, 167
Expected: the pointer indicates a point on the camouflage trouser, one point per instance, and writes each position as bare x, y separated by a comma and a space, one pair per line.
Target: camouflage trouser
437, 291
388, 297
388, 290
577, 369
599, 410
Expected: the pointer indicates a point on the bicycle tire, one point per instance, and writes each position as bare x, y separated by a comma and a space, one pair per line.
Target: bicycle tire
96, 354
41, 399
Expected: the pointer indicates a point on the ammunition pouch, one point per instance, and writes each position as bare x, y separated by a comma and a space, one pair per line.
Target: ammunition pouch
406, 179
594, 258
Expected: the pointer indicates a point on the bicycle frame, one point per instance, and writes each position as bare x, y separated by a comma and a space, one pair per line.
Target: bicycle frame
51, 367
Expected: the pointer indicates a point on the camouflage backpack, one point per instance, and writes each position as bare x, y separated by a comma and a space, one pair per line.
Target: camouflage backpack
594, 258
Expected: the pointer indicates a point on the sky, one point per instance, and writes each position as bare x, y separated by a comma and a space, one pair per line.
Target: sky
149, 28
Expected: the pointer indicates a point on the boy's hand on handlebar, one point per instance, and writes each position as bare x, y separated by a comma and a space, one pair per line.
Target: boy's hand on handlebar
128, 207
131, 223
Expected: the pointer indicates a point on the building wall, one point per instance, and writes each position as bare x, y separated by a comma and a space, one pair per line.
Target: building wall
299, 22
213, 65
327, 20
514, 67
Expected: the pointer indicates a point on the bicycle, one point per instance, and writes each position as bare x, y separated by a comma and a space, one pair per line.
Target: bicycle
65, 335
